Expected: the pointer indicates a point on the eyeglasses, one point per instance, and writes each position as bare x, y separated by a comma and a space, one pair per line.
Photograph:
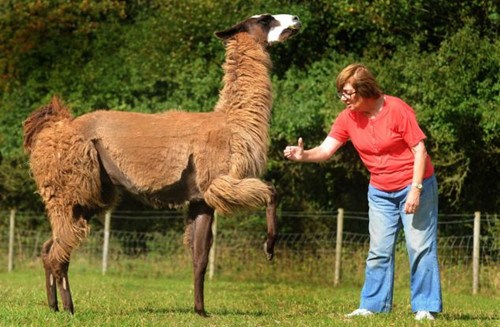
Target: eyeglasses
345, 94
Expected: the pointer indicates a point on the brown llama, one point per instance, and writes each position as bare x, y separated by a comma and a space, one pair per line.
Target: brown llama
212, 161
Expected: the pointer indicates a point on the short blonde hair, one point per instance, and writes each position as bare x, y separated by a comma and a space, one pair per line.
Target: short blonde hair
362, 81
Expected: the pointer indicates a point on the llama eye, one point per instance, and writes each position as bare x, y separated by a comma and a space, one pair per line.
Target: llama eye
266, 20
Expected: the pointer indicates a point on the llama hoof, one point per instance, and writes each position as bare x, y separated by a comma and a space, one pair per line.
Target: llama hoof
54, 308
269, 254
201, 313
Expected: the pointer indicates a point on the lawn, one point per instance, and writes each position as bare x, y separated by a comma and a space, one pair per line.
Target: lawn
136, 299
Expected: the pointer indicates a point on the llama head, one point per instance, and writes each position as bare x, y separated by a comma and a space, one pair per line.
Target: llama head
266, 29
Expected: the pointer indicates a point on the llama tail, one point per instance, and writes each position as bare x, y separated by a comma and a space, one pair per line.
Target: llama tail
227, 194
40, 119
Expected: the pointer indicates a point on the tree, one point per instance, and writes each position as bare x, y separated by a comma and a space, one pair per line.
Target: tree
442, 57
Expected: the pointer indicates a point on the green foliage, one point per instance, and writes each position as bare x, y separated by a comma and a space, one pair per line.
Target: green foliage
442, 57
16, 188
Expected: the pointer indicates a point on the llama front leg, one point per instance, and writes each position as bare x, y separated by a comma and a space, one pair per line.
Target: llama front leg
50, 282
272, 225
202, 216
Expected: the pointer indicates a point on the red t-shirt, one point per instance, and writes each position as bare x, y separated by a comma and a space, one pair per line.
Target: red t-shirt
384, 143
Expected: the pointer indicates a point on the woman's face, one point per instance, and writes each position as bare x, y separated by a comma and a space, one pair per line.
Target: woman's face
350, 98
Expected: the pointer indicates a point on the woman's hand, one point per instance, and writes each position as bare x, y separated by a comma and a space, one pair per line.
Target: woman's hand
295, 153
412, 201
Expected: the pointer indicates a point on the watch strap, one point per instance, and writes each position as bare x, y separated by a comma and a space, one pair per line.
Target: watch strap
417, 185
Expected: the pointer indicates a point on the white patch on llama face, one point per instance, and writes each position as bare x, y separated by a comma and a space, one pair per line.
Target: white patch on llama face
285, 22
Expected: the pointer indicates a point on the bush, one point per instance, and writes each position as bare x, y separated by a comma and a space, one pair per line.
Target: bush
443, 58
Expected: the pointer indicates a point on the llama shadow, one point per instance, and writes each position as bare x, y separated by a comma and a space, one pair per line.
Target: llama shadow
171, 310
216, 312
235, 312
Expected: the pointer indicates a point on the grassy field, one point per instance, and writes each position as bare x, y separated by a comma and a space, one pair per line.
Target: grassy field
139, 299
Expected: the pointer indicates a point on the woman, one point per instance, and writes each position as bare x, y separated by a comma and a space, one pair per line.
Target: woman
402, 190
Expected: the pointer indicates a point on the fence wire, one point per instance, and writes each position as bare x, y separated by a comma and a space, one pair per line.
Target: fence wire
165, 235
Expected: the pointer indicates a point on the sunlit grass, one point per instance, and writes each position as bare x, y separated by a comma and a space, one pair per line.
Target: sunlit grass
136, 294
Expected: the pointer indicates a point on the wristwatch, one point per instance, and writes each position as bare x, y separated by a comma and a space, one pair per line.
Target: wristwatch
418, 186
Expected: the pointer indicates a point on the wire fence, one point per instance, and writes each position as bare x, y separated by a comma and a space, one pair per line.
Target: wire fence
158, 235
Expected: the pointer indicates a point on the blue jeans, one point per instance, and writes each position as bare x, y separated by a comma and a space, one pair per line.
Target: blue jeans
387, 216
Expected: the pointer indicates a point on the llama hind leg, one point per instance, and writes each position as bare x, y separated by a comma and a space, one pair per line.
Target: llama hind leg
50, 283
272, 225
202, 216
56, 274
61, 272
69, 228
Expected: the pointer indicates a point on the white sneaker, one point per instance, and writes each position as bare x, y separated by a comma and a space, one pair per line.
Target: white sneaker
424, 315
359, 312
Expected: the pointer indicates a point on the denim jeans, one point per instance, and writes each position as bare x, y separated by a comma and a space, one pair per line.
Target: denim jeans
387, 217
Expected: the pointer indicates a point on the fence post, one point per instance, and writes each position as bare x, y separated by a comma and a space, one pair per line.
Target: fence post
338, 247
11, 239
211, 257
476, 252
105, 248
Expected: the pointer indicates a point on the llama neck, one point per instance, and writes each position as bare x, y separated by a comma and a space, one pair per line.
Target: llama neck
246, 81
246, 98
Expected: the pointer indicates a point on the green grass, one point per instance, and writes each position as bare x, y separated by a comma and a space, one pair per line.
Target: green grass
139, 299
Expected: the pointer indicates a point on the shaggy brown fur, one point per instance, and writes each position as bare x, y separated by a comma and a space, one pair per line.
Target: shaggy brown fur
246, 100
210, 160
67, 173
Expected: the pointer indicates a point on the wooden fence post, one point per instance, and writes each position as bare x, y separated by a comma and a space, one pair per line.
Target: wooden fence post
338, 247
211, 257
11, 239
476, 252
105, 248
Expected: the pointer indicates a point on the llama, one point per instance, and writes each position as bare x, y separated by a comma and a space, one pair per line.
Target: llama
209, 161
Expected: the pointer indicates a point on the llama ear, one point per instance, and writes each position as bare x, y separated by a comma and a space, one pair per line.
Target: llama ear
227, 33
